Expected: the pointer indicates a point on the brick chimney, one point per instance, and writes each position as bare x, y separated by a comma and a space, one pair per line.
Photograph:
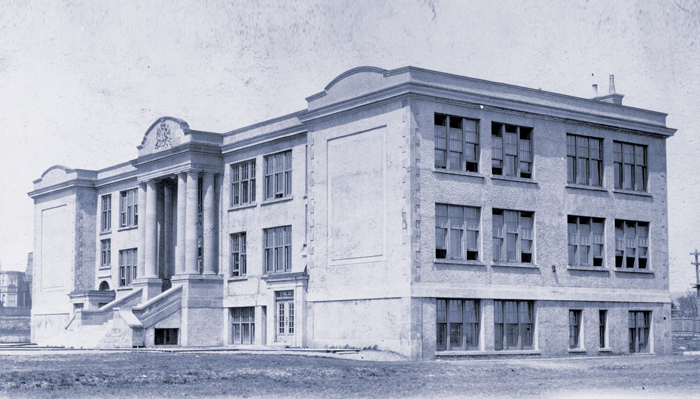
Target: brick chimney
612, 97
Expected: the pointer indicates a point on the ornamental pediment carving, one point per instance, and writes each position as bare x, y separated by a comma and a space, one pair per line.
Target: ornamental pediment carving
165, 133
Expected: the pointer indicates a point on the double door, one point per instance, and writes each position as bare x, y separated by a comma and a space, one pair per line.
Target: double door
284, 317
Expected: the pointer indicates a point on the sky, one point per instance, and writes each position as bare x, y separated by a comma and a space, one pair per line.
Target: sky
81, 81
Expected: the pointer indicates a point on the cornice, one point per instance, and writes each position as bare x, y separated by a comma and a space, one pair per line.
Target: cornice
265, 123
201, 148
264, 139
70, 184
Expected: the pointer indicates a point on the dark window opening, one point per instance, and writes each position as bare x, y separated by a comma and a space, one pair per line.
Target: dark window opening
166, 336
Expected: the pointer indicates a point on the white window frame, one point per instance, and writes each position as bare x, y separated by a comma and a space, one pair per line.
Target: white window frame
243, 183
456, 143
591, 243
106, 213
521, 152
457, 232
239, 261
128, 208
277, 250
278, 175
524, 235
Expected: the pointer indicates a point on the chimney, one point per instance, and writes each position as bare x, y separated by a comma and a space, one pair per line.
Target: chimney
612, 97
612, 85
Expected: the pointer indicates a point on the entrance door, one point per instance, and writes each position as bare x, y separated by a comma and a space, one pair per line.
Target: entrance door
285, 316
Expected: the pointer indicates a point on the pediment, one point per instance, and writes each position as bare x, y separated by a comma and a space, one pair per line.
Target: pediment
163, 134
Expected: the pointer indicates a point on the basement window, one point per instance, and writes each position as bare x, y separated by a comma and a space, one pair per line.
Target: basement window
166, 336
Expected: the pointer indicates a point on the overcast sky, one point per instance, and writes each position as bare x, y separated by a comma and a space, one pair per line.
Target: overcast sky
80, 82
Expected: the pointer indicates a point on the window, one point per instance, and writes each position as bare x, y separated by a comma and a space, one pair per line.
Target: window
128, 208
278, 249
243, 183
243, 327
630, 166
127, 267
603, 327
512, 236
278, 175
456, 232
575, 329
639, 331
456, 143
584, 160
631, 244
457, 324
238, 255
513, 325
106, 253
106, 213
586, 241
512, 150
166, 336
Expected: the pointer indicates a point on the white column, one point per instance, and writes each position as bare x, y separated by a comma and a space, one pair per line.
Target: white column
180, 245
208, 249
151, 231
167, 230
191, 224
141, 265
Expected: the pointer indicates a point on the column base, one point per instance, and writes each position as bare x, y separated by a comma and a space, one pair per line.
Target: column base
151, 287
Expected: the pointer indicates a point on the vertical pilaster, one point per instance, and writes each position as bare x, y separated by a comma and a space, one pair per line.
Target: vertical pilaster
191, 224
181, 223
208, 248
151, 231
141, 265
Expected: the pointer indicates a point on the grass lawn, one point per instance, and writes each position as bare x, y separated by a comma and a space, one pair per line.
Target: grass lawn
139, 374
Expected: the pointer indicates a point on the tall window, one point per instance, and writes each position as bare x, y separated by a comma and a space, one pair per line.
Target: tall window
639, 331
586, 241
238, 255
106, 212
512, 236
106, 252
514, 322
456, 232
457, 324
243, 183
584, 160
278, 249
127, 266
603, 327
456, 143
243, 327
512, 150
574, 329
278, 175
630, 166
128, 208
631, 244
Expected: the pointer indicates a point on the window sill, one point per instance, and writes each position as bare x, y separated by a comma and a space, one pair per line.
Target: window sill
637, 271
237, 278
128, 228
514, 179
589, 269
276, 200
577, 350
243, 206
487, 353
514, 264
125, 289
607, 350
106, 232
632, 192
584, 187
459, 173
458, 262
103, 268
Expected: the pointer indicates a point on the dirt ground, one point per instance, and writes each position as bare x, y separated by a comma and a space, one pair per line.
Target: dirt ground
233, 374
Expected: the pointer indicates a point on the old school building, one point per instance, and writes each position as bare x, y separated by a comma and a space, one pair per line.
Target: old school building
412, 210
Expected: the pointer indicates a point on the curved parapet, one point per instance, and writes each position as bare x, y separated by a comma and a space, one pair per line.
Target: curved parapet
163, 134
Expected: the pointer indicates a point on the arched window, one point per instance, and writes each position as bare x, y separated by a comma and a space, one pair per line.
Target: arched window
104, 286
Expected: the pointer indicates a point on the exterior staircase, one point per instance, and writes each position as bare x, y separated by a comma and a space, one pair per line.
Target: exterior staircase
121, 323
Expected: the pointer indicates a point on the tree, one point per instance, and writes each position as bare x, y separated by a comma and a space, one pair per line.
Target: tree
687, 305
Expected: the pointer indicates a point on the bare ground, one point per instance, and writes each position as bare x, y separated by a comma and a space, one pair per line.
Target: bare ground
138, 374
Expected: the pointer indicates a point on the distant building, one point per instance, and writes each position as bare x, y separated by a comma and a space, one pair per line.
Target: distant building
416, 211
16, 287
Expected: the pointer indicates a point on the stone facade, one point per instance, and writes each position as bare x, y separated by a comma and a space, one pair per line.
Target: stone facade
408, 210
